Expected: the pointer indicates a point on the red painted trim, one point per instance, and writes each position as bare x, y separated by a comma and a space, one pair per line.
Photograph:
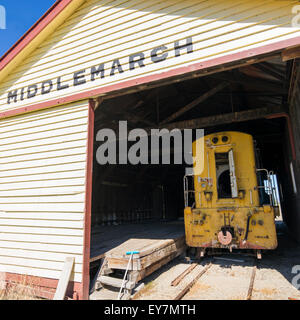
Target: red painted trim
43, 287
152, 78
291, 134
249, 245
88, 204
39, 26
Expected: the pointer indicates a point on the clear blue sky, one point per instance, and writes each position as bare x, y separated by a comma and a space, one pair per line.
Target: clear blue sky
20, 16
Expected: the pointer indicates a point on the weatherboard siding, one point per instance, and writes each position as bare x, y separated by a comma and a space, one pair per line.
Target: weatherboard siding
42, 190
99, 32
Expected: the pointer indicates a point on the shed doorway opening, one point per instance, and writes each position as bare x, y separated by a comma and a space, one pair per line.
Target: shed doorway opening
144, 203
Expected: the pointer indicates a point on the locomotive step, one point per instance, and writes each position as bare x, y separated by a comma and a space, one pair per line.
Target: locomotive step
114, 282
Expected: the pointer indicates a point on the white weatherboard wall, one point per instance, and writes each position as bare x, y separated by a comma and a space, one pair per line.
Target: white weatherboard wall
101, 31
42, 190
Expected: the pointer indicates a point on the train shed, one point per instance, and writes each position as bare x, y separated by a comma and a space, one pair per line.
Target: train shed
89, 65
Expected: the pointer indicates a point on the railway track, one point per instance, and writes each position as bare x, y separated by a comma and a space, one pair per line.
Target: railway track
192, 282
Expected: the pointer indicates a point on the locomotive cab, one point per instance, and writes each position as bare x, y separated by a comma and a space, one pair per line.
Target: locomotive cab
230, 202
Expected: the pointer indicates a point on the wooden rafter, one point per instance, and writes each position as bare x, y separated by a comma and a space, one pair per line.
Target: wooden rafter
291, 53
195, 102
269, 70
271, 86
127, 114
294, 78
220, 119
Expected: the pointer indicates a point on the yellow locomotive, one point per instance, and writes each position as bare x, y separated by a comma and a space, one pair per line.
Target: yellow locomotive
230, 203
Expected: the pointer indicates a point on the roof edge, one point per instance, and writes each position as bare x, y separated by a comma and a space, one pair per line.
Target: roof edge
33, 32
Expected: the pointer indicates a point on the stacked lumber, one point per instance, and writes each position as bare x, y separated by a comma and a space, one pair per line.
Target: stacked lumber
153, 254
156, 244
105, 239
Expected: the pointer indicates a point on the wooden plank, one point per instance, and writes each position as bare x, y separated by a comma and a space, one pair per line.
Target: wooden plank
36, 263
159, 254
160, 245
157, 265
43, 223
41, 231
120, 251
121, 264
68, 159
32, 118
44, 207
96, 258
177, 280
138, 244
144, 246
64, 279
42, 191
144, 262
37, 238
113, 241
56, 248
36, 149
34, 253
30, 137
114, 282
43, 216
44, 127
50, 141
43, 273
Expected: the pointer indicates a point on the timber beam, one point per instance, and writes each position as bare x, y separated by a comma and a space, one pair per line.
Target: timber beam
196, 102
271, 86
290, 53
227, 118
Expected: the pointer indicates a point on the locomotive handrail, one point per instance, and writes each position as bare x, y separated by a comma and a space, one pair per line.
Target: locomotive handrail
187, 191
271, 187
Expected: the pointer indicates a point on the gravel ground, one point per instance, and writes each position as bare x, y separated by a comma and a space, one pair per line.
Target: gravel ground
227, 280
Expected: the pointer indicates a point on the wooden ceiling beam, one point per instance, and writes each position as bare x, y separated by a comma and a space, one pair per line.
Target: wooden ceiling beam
291, 53
268, 85
268, 70
195, 102
220, 119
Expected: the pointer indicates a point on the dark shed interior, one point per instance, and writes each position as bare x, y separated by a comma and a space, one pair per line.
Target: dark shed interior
258, 99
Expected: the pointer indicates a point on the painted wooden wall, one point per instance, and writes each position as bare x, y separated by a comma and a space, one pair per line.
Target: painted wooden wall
43, 154
108, 31
42, 190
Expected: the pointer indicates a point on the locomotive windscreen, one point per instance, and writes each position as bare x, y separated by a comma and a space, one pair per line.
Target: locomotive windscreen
223, 175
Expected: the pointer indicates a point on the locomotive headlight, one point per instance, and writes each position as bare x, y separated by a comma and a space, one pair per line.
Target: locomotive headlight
225, 139
215, 140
